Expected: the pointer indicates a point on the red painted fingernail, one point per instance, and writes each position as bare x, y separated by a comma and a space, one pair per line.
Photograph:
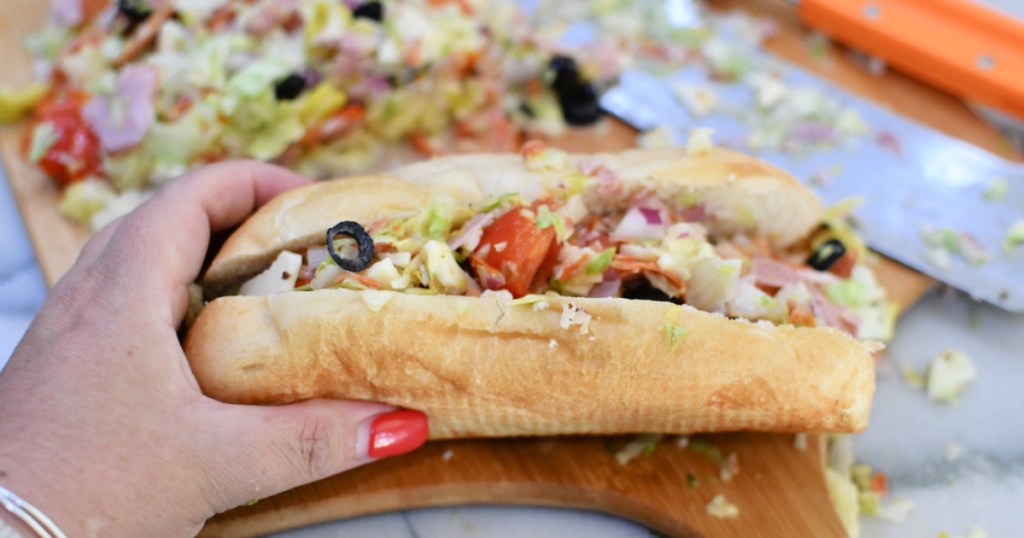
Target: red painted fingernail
397, 432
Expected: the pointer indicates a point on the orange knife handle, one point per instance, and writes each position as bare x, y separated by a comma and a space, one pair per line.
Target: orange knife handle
956, 45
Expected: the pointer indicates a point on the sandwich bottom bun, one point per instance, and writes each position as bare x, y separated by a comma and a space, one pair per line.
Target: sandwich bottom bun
482, 367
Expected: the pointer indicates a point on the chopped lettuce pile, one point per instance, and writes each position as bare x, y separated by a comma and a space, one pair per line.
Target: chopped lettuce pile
323, 86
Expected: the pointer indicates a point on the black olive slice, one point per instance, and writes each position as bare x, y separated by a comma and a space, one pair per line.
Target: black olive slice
577, 97
641, 289
289, 87
363, 241
369, 10
827, 255
136, 11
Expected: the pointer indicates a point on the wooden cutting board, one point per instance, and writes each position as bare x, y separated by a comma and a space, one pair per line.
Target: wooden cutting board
780, 489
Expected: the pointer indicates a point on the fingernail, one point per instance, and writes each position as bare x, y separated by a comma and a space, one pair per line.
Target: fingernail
396, 433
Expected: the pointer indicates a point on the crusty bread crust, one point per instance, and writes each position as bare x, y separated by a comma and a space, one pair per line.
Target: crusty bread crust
482, 367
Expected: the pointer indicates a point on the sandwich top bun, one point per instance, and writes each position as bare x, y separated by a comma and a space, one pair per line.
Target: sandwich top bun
740, 194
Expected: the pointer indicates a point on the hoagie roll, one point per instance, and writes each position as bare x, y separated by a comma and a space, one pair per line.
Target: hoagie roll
677, 291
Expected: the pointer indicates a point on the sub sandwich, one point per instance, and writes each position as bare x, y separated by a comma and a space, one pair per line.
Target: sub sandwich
680, 290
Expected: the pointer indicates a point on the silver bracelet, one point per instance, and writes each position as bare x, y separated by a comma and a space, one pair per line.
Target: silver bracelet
29, 515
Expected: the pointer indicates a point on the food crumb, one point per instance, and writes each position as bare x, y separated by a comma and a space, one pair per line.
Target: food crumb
949, 375
730, 468
447, 456
642, 445
682, 441
720, 507
552, 344
996, 191
700, 142
912, 377
1014, 236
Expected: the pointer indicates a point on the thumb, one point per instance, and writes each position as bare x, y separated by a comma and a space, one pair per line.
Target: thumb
266, 450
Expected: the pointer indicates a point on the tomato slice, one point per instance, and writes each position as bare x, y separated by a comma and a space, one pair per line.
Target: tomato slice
547, 267
516, 247
843, 267
74, 151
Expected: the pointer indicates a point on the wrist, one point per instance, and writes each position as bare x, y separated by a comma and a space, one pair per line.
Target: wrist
13, 527
19, 518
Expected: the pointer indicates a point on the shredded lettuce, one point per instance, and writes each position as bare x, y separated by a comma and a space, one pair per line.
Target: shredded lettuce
996, 191
259, 126
951, 241
845, 499
601, 263
642, 445
949, 375
82, 200
700, 142
545, 218
15, 104
320, 103
842, 208
502, 200
44, 136
1014, 236
673, 334
445, 274
256, 78
325, 21
529, 299
546, 159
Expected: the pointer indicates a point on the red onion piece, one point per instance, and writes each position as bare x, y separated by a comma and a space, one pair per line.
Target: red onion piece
653, 216
121, 120
695, 213
608, 288
472, 228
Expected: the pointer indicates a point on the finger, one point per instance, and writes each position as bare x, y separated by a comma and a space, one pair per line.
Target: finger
97, 243
288, 446
161, 245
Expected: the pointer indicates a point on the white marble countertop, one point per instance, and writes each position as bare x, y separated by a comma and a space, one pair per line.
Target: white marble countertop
910, 438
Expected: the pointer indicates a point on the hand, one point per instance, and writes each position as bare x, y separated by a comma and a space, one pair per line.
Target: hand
102, 425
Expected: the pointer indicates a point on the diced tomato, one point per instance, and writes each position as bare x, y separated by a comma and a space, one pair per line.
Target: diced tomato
880, 483
800, 317
843, 267
75, 150
91, 8
547, 267
516, 247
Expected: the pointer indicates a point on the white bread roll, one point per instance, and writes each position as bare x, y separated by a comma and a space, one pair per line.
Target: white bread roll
482, 367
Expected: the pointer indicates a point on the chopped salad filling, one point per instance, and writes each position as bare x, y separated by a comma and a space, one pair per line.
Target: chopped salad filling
136, 93
558, 245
